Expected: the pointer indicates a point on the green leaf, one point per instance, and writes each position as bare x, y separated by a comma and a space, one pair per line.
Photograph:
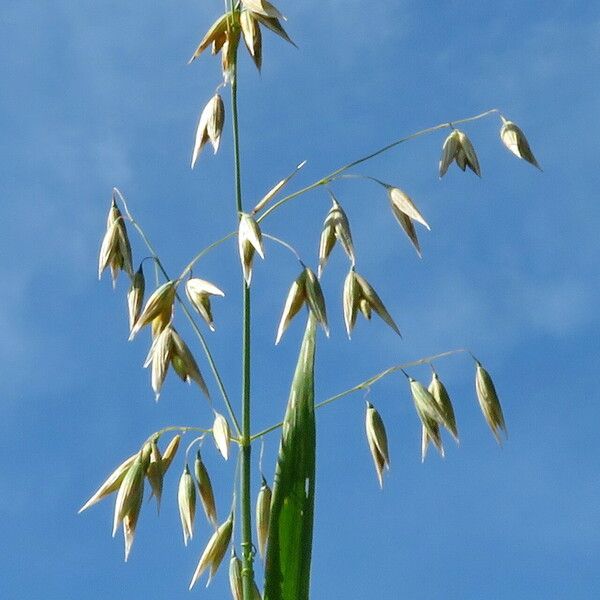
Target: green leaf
287, 566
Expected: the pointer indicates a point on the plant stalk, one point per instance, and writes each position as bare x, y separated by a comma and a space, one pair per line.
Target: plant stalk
245, 441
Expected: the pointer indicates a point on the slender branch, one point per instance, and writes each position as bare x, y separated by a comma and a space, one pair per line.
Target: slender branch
184, 429
284, 245
369, 382
188, 314
205, 251
358, 161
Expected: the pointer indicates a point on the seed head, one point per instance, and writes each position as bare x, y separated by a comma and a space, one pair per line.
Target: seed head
215, 36
112, 483
489, 403
221, 434
170, 452
235, 577
185, 364
159, 356
409, 228
514, 139
262, 7
377, 439
401, 202
115, 251
135, 296
440, 394
186, 500
159, 304
276, 189
129, 497
252, 36
249, 241
214, 552
429, 414
206, 491
210, 126
263, 515
305, 289
199, 292
335, 227
458, 147
360, 295
155, 473
274, 24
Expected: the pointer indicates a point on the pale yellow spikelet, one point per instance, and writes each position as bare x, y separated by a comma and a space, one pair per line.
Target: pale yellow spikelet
159, 303
377, 440
514, 139
403, 203
170, 452
184, 363
199, 292
217, 30
252, 36
294, 302
449, 151
214, 551
135, 296
367, 294
351, 300
249, 241
263, 514
428, 413
274, 24
130, 494
235, 577
112, 483
408, 226
210, 126
276, 189
440, 394
221, 434
489, 402
206, 490
335, 227
263, 7
186, 501
159, 357
468, 151
315, 299
155, 473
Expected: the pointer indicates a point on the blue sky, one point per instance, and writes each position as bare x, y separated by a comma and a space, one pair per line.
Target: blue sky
99, 94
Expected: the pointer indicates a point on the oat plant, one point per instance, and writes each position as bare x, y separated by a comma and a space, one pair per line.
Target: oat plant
283, 511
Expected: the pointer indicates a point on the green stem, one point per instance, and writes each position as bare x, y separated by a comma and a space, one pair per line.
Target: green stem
245, 441
363, 385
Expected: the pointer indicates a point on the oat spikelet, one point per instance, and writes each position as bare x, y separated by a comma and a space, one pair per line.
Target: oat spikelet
216, 33
360, 295
206, 490
252, 37
135, 296
401, 202
489, 402
184, 363
210, 126
186, 501
214, 552
131, 491
276, 189
111, 484
115, 251
249, 242
514, 139
221, 434
263, 7
263, 513
159, 357
159, 303
458, 147
440, 394
199, 292
235, 577
155, 473
335, 227
377, 439
170, 452
429, 415
306, 289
